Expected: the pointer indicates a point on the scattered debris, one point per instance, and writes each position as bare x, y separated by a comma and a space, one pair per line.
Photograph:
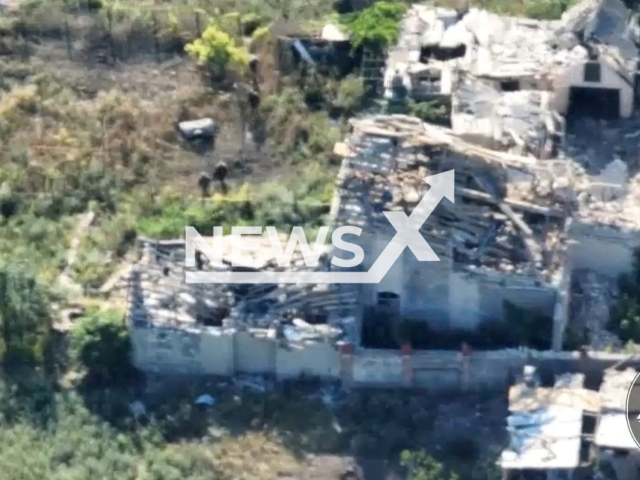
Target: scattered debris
138, 409
205, 399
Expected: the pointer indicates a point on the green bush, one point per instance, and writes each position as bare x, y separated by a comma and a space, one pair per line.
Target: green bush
422, 466
377, 26
430, 112
350, 96
217, 51
100, 342
625, 314
25, 321
547, 9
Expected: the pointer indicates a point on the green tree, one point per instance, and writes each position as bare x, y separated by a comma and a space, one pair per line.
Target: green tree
422, 466
25, 319
217, 52
377, 26
100, 342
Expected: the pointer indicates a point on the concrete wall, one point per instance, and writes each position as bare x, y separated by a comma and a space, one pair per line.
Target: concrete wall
426, 290
447, 296
174, 352
216, 352
320, 360
377, 368
588, 242
574, 77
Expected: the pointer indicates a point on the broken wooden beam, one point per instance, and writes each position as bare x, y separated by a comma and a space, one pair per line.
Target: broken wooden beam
517, 204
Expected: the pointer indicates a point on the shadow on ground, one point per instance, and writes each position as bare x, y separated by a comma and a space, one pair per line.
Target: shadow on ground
305, 430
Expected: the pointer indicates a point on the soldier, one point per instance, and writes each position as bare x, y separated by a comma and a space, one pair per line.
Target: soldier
204, 182
220, 174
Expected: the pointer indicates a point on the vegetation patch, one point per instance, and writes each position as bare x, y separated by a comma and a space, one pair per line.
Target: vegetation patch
376, 27
625, 314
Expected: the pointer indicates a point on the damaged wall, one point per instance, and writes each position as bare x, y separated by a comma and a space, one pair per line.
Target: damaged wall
589, 241
447, 297
174, 352
573, 76
426, 291
215, 352
315, 360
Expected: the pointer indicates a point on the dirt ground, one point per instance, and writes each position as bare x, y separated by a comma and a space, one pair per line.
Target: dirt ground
175, 85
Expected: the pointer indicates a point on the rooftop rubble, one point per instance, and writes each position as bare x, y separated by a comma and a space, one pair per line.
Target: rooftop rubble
487, 229
614, 388
545, 425
488, 45
516, 121
612, 430
605, 201
159, 296
567, 392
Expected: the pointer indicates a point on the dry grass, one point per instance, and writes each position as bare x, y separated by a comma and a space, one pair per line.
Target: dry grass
255, 456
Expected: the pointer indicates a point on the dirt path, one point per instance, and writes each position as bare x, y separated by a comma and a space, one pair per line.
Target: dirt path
84, 222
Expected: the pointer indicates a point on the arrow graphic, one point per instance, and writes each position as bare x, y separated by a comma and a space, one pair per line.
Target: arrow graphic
407, 235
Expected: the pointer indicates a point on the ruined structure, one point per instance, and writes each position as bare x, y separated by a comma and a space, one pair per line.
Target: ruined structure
500, 241
511, 79
534, 207
564, 431
223, 329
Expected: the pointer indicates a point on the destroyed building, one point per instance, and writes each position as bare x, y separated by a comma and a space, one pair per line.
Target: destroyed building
497, 243
519, 229
567, 430
501, 72
184, 328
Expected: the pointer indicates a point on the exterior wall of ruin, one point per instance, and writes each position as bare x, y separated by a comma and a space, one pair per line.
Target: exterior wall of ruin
224, 353
174, 352
574, 77
178, 351
562, 306
448, 297
442, 372
602, 249
320, 360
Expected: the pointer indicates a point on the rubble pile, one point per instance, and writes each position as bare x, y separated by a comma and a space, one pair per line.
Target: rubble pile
614, 388
593, 296
389, 157
159, 295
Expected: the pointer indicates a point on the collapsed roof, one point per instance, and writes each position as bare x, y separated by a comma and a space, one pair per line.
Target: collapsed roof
488, 228
159, 296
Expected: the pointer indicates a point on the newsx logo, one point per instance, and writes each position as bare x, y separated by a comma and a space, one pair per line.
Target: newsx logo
407, 235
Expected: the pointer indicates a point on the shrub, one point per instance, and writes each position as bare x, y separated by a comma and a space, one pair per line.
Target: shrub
422, 466
547, 9
216, 50
625, 314
100, 342
259, 37
350, 95
377, 26
25, 322
430, 112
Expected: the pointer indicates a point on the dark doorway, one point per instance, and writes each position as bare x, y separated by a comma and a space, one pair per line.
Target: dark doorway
596, 103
